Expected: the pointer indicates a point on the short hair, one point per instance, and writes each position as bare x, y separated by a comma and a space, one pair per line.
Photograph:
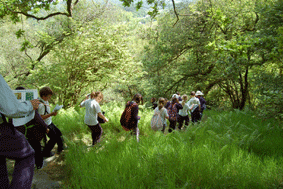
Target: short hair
96, 94
45, 91
193, 93
20, 88
138, 98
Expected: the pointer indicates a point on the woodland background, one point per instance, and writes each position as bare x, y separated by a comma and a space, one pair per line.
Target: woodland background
230, 50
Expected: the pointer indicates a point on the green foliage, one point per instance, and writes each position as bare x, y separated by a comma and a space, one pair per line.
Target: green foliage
13, 7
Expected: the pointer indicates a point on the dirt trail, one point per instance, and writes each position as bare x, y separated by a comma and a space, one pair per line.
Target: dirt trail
49, 177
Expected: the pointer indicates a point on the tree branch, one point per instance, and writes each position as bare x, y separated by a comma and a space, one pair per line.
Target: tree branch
174, 7
68, 14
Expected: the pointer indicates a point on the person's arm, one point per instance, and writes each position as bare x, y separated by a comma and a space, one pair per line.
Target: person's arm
98, 110
135, 113
199, 104
83, 102
41, 111
49, 115
180, 106
166, 114
102, 117
10, 106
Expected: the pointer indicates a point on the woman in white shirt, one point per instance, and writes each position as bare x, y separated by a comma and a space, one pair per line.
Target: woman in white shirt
92, 111
194, 105
183, 113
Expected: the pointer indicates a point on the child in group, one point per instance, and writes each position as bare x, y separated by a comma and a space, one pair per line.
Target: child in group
158, 121
129, 119
173, 110
183, 113
91, 115
153, 101
54, 133
194, 105
179, 96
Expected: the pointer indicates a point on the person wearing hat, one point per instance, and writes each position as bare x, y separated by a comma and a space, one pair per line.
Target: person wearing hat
194, 106
199, 95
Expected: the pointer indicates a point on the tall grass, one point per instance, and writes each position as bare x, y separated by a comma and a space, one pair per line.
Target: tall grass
229, 150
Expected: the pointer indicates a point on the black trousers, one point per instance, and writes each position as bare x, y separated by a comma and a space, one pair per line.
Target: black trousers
195, 115
34, 141
96, 132
55, 136
181, 120
172, 125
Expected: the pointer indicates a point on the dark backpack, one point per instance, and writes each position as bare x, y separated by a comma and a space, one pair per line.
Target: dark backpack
126, 120
172, 112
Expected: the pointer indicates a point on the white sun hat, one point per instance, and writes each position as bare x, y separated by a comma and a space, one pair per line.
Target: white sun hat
199, 93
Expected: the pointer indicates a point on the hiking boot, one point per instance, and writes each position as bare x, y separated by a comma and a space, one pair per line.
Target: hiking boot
50, 154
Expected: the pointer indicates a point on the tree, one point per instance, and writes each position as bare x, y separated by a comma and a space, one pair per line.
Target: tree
214, 46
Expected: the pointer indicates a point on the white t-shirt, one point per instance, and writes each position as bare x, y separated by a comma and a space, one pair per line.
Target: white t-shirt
163, 114
92, 108
193, 101
184, 111
41, 111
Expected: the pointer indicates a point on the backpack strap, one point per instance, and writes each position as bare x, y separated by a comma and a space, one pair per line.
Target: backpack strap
45, 112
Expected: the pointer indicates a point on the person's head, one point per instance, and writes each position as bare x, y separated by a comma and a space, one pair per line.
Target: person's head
184, 99
138, 98
178, 93
20, 88
199, 94
45, 93
98, 96
152, 100
175, 99
161, 103
166, 100
193, 93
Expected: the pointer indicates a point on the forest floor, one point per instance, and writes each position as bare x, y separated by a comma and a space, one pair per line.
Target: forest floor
48, 177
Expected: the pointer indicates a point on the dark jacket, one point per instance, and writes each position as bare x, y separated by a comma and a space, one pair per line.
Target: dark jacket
129, 118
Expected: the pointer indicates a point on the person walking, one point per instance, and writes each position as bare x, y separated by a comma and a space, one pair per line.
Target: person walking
129, 119
173, 110
202, 101
91, 114
194, 106
183, 113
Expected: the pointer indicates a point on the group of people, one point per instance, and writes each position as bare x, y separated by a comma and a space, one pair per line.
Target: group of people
177, 111
23, 143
